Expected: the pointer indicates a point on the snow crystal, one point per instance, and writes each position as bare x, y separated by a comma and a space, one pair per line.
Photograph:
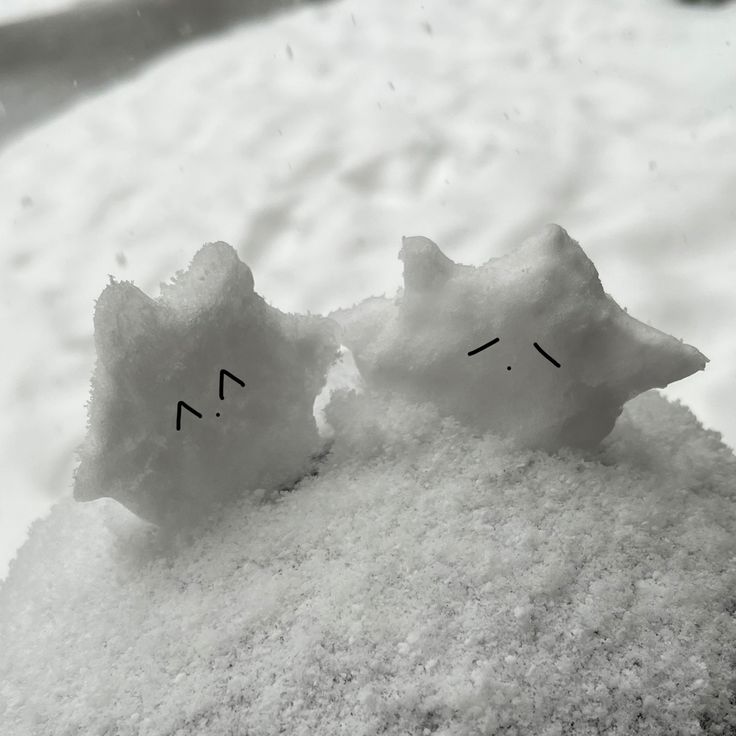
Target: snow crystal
528, 345
200, 394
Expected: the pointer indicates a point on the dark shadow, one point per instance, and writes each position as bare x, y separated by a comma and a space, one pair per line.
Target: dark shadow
49, 62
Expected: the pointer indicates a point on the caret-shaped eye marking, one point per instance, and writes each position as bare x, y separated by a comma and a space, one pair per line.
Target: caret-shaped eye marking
183, 405
549, 357
483, 347
223, 373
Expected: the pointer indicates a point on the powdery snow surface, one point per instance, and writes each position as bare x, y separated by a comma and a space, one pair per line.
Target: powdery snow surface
427, 581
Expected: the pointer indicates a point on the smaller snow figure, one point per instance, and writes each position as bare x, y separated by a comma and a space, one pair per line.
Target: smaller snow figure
200, 395
528, 346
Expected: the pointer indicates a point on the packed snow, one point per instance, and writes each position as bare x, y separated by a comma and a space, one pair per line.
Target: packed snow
429, 342
200, 393
168, 459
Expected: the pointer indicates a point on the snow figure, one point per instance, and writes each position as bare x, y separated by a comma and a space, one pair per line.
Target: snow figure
528, 346
200, 394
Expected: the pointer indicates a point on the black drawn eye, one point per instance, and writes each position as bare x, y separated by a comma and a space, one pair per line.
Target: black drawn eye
223, 373
508, 367
546, 355
183, 405
483, 347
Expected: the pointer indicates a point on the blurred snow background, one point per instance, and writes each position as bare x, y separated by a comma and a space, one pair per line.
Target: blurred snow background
313, 140
14, 10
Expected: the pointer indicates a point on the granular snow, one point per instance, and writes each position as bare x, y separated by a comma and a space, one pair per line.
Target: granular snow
428, 580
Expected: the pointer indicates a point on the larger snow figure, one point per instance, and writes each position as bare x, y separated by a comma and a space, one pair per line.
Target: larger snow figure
201, 394
528, 346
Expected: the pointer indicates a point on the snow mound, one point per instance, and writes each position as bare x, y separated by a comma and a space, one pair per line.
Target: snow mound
201, 394
427, 580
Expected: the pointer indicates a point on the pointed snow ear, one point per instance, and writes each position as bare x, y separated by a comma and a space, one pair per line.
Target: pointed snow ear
426, 267
219, 263
216, 276
556, 267
641, 356
124, 315
552, 246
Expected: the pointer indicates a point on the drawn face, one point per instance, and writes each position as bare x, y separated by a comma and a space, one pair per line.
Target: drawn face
183, 405
565, 356
508, 367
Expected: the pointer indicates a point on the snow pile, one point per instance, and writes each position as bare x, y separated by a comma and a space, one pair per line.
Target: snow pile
429, 342
427, 581
200, 393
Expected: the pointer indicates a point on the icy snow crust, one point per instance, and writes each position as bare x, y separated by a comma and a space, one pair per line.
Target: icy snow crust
427, 581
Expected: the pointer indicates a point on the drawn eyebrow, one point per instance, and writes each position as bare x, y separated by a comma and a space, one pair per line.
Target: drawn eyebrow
549, 357
483, 347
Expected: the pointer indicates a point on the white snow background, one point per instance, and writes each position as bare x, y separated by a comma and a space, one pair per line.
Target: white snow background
313, 141
15, 10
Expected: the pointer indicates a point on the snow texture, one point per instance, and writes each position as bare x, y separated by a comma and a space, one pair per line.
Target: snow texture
247, 373
427, 581
528, 345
